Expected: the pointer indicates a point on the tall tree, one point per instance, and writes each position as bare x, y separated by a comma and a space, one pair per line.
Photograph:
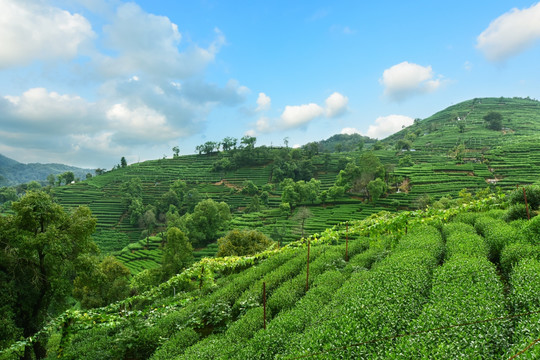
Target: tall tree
41, 249
208, 218
228, 143
177, 253
301, 216
123, 162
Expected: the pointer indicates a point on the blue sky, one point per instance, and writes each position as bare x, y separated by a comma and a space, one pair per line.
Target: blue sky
85, 82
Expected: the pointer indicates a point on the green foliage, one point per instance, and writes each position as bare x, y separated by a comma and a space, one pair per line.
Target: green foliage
42, 247
101, 284
497, 235
533, 196
376, 188
357, 175
206, 221
525, 282
177, 253
406, 160
493, 120
516, 211
249, 188
146, 280
176, 344
465, 289
298, 192
243, 242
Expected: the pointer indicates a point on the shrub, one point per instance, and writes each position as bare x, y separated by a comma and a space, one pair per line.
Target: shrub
176, 345
516, 212
533, 196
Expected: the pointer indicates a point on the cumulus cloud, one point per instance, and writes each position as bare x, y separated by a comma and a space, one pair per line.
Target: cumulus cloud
510, 33
140, 124
150, 88
31, 30
153, 48
40, 111
263, 102
387, 125
299, 115
336, 105
350, 131
406, 79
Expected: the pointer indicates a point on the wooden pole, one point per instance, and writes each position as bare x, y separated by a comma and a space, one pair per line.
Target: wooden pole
264, 305
347, 242
526, 205
307, 267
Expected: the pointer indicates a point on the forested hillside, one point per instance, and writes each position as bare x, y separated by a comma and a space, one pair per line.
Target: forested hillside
14, 173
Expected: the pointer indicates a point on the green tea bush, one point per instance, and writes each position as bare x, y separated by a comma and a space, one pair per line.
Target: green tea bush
266, 344
497, 234
465, 243
515, 212
533, 196
176, 345
465, 289
377, 303
525, 282
512, 254
467, 217
456, 226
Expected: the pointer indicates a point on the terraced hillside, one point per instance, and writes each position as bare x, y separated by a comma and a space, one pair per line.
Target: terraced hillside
449, 151
455, 283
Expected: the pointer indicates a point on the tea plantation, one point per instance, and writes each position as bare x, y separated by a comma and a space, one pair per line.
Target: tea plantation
445, 264
449, 151
455, 283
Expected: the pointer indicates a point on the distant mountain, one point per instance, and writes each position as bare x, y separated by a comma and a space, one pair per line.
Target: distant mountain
13, 172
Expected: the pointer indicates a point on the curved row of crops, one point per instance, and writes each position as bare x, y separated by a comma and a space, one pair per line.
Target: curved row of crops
417, 285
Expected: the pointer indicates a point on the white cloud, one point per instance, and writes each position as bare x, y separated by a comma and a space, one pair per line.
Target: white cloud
510, 34
387, 125
32, 30
251, 133
40, 111
140, 125
406, 79
263, 125
336, 105
350, 131
296, 116
263, 102
152, 48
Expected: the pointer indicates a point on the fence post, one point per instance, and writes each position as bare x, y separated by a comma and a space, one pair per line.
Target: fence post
264, 305
347, 242
307, 266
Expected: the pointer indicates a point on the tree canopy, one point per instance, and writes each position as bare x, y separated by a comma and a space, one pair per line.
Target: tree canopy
243, 242
493, 120
42, 247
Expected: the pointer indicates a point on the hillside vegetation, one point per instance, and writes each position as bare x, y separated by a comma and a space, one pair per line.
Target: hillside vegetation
434, 158
422, 284
416, 246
